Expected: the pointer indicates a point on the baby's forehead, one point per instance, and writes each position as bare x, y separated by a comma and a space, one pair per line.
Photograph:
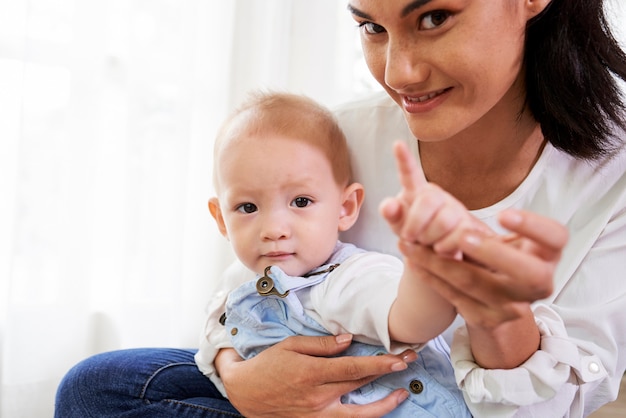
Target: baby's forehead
252, 131
238, 146
251, 127
255, 167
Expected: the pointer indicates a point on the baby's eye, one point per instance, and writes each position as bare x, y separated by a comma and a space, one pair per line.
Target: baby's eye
434, 19
246, 208
371, 28
302, 202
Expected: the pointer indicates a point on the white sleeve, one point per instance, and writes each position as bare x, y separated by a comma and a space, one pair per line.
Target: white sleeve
214, 336
581, 359
547, 380
357, 298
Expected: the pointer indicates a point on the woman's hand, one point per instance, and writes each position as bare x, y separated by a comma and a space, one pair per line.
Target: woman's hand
491, 280
295, 378
493, 292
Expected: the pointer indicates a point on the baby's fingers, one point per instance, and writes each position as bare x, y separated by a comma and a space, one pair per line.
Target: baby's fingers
392, 210
411, 175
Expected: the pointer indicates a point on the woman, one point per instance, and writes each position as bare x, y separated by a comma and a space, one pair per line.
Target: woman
520, 120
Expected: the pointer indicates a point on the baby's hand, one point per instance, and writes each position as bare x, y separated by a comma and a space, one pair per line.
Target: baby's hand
424, 213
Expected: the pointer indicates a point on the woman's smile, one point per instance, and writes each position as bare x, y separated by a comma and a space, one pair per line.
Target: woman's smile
424, 102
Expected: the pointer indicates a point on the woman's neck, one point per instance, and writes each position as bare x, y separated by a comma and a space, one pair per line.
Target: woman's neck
486, 163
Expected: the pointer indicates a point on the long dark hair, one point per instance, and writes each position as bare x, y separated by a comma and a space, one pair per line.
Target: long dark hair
572, 63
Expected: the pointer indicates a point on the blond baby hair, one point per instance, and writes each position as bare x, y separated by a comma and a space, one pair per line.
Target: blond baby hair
295, 116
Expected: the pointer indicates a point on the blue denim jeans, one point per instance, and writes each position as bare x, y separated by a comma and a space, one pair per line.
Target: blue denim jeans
150, 382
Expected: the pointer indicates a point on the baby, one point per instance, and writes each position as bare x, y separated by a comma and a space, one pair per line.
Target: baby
284, 188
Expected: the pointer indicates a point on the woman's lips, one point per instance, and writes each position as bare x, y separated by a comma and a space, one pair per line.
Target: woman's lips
424, 102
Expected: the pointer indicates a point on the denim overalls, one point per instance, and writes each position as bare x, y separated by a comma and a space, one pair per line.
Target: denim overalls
265, 311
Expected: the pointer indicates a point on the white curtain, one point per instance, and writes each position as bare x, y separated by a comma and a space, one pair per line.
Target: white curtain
108, 109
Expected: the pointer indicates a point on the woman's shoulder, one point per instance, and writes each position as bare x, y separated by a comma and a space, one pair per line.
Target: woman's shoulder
582, 189
607, 168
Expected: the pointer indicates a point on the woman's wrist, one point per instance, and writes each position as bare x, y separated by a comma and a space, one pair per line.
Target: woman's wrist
224, 359
506, 346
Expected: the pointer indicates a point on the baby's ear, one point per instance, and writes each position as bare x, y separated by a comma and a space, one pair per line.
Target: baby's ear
216, 212
353, 197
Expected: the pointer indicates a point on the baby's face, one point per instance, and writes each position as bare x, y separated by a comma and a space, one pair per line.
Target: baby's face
279, 202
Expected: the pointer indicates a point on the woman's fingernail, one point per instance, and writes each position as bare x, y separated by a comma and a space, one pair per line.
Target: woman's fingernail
402, 396
409, 356
399, 366
343, 338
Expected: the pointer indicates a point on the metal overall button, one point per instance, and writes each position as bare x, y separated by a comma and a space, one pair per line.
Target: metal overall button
265, 286
416, 386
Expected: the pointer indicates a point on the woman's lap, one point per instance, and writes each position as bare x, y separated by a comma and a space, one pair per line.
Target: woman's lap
147, 382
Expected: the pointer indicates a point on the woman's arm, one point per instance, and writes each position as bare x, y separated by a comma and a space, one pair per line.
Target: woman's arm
576, 363
296, 379
514, 276
494, 290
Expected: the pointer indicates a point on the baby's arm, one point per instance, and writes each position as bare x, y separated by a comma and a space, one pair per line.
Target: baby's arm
419, 313
424, 214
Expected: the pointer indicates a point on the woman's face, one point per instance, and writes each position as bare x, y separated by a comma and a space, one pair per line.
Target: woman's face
448, 63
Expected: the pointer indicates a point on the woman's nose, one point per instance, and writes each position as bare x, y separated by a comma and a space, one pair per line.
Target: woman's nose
404, 65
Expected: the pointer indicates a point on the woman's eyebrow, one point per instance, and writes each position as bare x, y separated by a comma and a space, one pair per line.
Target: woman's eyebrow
408, 9
358, 13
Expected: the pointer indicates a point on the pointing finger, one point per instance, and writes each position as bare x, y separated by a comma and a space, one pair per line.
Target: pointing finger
411, 175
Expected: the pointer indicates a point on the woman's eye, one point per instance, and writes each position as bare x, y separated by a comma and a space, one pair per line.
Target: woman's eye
434, 19
371, 28
247, 208
302, 202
